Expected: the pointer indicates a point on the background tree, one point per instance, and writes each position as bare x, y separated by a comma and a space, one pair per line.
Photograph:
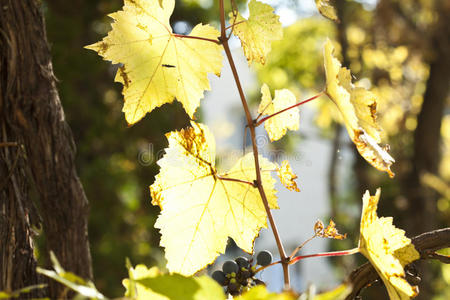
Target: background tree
37, 157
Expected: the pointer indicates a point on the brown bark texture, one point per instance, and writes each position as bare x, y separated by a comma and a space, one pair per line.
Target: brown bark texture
40, 160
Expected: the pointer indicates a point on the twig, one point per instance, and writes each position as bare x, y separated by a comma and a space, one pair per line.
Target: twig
251, 126
287, 108
196, 38
302, 245
332, 253
424, 243
236, 180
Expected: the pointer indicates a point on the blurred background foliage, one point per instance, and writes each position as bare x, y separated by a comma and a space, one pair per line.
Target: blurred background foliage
397, 48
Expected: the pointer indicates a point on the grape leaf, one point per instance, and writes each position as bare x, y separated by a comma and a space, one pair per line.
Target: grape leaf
358, 109
72, 281
326, 9
18, 293
328, 232
278, 125
258, 31
339, 293
387, 248
158, 66
287, 176
199, 210
152, 284
260, 292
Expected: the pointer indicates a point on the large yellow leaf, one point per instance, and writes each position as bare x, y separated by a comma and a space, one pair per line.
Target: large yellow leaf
258, 31
358, 109
387, 248
278, 125
158, 66
199, 210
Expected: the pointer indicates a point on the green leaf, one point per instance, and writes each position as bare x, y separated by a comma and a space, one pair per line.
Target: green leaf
72, 281
16, 293
152, 284
260, 292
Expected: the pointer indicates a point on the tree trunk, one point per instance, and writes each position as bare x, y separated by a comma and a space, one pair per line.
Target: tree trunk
422, 214
32, 116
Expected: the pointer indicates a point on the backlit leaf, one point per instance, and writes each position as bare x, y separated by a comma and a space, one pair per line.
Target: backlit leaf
339, 293
358, 108
199, 210
158, 66
152, 284
260, 292
69, 279
287, 176
326, 9
328, 232
387, 248
278, 125
258, 31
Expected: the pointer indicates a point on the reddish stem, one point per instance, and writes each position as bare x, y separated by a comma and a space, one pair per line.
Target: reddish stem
236, 180
287, 108
333, 253
197, 38
251, 126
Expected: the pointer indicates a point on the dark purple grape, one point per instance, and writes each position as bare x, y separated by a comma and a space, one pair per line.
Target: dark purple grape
230, 266
234, 288
264, 258
242, 262
219, 276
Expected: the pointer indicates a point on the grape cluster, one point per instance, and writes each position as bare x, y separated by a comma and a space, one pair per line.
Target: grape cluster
238, 275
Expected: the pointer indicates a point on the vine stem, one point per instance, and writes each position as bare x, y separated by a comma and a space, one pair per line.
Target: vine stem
251, 126
236, 180
287, 108
196, 38
333, 253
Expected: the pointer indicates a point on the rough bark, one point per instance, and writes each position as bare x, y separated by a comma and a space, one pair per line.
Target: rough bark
32, 116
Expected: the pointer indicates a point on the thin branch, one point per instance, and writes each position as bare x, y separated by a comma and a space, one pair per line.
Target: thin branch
264, 267
251, 126
236, 180
234, 24
302, 245
332, 253
365, 275
197, 38
287, 108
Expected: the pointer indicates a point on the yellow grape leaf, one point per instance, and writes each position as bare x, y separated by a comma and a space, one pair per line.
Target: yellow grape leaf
258, 32
287, 176
150, 283
326, 9
157, 65
328, 232
278, 125
200, 209
387, 248
358, 108
136, 290
339, 293
260, 292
